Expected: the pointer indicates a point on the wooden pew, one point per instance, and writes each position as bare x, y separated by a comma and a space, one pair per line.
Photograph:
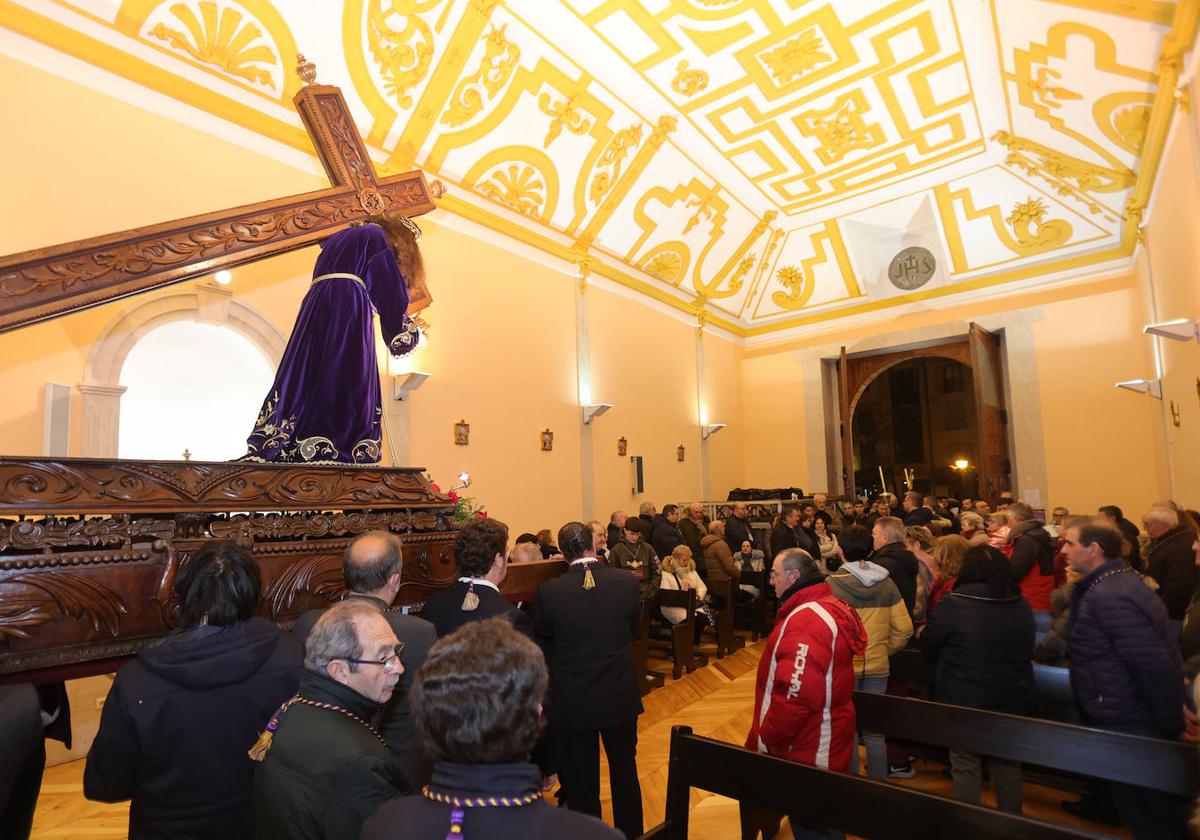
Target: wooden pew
682, 635
853, 804
721, 592
1168, 766
647, 680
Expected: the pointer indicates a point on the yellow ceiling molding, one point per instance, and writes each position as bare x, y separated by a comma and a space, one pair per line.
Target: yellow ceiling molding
495, 68
1159, 12
1069, 176
736, 267
712, 41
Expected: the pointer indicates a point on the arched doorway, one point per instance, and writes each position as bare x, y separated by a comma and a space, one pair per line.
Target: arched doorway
980, 352
912, 422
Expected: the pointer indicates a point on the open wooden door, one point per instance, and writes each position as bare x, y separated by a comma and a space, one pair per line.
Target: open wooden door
848, 488
992, 460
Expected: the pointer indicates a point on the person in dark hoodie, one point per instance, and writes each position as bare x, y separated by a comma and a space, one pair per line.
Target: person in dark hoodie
179, 719
981, 637
1032, 556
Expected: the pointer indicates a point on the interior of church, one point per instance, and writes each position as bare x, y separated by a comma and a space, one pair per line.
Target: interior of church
675, 249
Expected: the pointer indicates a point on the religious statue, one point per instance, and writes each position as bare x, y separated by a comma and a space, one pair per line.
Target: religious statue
325, 405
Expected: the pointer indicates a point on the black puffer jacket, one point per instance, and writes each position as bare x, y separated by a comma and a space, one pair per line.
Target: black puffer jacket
982, 646
902, 566
325, 772
1172, 563
664, 536
1125, 662
178, 722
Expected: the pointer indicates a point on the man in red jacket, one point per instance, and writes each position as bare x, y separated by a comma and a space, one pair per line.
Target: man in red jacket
803, 698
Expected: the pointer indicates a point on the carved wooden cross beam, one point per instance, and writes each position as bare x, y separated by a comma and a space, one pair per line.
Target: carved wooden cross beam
48, 282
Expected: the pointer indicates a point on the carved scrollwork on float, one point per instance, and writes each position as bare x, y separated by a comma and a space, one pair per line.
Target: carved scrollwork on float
320, 575
30, 600
277, 526
51, 532
133, 486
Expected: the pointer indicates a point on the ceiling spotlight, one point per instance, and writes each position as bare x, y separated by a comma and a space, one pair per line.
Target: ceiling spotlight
224, 277
1181, 329
594, 410
710, 429
1153, 387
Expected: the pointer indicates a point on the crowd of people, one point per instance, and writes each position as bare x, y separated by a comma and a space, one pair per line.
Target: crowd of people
363, 720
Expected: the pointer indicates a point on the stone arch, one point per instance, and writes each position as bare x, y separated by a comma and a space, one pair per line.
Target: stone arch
101, 387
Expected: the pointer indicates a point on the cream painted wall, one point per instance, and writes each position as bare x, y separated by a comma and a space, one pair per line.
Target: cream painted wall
1174, 265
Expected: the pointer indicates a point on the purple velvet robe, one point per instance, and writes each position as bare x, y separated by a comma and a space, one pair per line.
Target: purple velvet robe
325, 405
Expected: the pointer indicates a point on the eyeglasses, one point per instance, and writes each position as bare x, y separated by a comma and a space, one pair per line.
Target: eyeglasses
392, 661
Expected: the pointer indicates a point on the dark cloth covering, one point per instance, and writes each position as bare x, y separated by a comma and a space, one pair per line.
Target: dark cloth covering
902, 566
1125, 662
693, 535
325, 773
1190, 636
445, 609
738, 531
1032, 561
588, 636
755, 494
178, 722
640, 559
1172, 563
418, 818
982, 646
396, 723
664, 536
22, 758
325, 403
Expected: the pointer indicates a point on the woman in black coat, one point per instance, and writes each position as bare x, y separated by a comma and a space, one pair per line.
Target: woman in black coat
981, 636
180, 718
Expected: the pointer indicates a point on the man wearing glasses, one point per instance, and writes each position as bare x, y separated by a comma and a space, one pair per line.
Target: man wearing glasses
371, 567
325, 768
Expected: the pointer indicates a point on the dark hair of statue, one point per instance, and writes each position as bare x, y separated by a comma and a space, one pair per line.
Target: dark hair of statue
987, 565
856, 542
404, 243
574, 539
477, 699
219, 585
477, 544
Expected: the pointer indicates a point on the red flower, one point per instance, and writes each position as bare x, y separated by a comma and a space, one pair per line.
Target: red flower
453, 496
435, 487
481, 513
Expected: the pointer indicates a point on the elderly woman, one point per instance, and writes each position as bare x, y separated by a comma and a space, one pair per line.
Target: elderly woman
179, 719
948, 554
998, 527
477, 701
919, 540
679, 572
973, 529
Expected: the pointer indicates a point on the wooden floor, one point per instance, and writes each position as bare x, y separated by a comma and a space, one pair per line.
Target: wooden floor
715, 701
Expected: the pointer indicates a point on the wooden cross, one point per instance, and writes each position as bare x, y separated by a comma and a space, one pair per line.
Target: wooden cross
47, 282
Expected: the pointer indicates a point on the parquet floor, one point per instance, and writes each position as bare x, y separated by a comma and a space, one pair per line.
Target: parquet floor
715, 701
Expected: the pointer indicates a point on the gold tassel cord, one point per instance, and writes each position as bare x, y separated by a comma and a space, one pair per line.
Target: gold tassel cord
470, 600
589, 582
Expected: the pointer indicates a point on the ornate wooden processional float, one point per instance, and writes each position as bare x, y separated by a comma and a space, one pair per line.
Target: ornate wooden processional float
89, 548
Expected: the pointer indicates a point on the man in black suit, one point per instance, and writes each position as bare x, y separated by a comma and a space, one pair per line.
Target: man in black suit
481, 551
588, 619
371, 566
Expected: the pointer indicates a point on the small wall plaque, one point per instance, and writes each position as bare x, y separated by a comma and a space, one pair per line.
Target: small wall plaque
462, 433
680, 452
912, 268
547, 440
622, 446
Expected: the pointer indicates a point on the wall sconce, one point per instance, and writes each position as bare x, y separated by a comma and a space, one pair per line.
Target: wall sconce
223, 277
680, 452
464, 481
710, 429
594, 410
405, 383
622, 446
547, 440
1153, 387
1175, 414
1181, 329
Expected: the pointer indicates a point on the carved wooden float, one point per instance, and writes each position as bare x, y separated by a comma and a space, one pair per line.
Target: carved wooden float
89, 548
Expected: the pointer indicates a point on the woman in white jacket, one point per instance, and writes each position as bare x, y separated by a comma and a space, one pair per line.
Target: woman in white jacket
679, 572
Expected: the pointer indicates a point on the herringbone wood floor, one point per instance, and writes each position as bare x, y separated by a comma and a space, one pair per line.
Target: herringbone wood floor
715, 701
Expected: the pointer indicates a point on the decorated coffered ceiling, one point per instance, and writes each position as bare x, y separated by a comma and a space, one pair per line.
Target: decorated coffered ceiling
762, 165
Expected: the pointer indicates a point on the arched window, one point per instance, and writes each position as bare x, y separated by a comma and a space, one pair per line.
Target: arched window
191, 386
